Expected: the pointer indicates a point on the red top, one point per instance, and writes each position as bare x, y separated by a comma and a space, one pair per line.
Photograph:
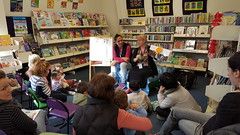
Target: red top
119, 59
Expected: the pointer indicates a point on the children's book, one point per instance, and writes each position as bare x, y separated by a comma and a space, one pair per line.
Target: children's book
191, 31
179, 30
202, 45
179, 44
190, 44
47, 52
62, 49
203, 30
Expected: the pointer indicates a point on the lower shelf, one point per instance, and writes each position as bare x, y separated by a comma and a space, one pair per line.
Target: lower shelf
75, 67
182, 67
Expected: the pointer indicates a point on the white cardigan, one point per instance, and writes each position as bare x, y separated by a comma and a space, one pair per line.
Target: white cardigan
179, 98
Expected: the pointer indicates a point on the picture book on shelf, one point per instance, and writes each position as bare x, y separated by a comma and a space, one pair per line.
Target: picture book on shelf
202, 45
8, 61
190, 44
191, 31
203, 30
179, 30
179, 44
62, 49
47, 52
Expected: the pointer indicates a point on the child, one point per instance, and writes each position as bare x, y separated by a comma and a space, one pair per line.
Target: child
58, 82
138, 96
80, 97
121, 100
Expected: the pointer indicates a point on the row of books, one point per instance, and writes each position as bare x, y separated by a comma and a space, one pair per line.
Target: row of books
191, 44
190, 62
133, 30
192, 31
7, 61
163, 45
63, 49
193, 18
160, 37
155, 28
49, 18
73, 61
45, 36
128, 21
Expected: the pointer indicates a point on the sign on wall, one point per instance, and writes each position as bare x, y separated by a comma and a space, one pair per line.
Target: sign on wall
194, 6
162, 7
135, 8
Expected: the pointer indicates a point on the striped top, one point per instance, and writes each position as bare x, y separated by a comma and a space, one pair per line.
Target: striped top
40, 81
14, 122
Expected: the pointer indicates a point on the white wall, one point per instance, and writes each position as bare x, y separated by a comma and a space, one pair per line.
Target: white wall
212, 7
86, 6
3, 24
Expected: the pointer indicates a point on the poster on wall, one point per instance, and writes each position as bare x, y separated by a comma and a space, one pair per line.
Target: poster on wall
75, 5
194, 6
16, 5
35, 3
50, 4
162, 7
63, 4
135, 8
20, 26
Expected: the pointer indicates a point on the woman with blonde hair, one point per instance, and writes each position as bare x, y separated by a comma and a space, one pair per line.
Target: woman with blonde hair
142, 62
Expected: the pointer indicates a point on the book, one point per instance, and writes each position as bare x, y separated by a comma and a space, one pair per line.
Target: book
31, 113
191, 31
179, 30
179, 44
47, 52
190, 44
203, 30
202, 45
200, 63
62, 49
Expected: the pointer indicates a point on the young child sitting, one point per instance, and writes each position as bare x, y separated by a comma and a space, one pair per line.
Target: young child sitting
138, 96
121, 100
80, 97
58, 82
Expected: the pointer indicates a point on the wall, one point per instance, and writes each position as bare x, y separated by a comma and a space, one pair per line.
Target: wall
213, 6
92, 6
3, 24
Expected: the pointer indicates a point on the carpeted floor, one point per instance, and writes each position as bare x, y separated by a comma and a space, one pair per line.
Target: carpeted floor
197, 90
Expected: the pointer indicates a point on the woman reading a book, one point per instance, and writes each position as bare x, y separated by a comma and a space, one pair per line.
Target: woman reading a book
227, 117
142, 62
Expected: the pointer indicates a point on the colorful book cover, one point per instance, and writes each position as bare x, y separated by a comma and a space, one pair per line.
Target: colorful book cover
20, 26
191, 31
5, 40
203, 29
190, 44
47, 52
179, 30
35, 3
62, 49
16, 5
179, 44
50, 4
202, 45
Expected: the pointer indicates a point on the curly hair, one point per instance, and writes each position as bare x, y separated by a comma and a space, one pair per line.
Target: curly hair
41, 68
121, 99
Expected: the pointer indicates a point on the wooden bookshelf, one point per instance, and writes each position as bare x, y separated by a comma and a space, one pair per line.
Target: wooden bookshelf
75, 67
65, 55
182, 67
191, 51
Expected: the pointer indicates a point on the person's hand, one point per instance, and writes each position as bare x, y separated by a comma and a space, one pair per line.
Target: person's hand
138, 57
133, 106
161, 89
113, 63
126, 59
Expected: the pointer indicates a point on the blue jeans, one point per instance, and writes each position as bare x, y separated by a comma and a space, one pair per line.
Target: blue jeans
121, 72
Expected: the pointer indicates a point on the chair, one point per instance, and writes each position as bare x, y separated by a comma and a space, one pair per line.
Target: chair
37, 102
61, 110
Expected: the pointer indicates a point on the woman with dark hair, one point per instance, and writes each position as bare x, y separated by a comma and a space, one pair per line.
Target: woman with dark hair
121, 59
100, 115
227, 114
172, 94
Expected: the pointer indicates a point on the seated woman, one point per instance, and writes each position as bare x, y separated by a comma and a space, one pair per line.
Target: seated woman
121, 60
172, 94
13, 120
39, 82
142, 62
228, 111
100, 116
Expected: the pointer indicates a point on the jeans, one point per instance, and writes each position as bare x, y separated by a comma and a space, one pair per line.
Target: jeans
121, 72
194, 124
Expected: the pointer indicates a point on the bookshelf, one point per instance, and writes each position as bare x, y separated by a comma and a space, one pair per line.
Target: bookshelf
64, 36
130, 29
228, 34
